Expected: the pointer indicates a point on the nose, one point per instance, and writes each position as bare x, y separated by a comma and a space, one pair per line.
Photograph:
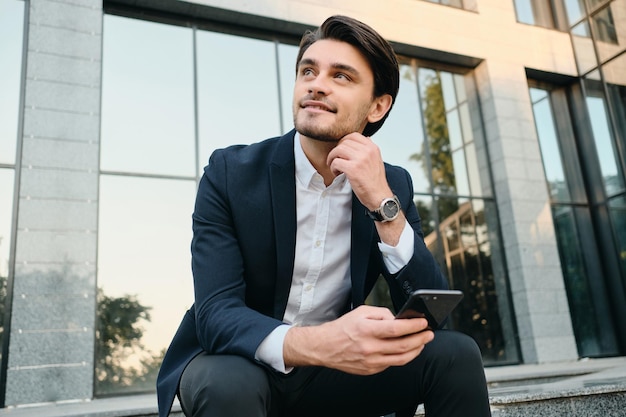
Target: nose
319, 86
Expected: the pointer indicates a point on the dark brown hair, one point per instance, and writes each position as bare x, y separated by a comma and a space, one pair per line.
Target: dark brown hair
376, 50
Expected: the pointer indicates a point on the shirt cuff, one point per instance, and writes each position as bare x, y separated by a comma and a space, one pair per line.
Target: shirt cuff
396, 257
270, 351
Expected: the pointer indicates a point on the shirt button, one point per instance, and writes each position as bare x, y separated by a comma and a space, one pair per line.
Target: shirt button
318, 243
308, 288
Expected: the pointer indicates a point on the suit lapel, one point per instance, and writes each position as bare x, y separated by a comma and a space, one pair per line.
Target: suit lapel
283, 196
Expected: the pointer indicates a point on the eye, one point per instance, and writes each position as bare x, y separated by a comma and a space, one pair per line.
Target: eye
307, 71
342, 77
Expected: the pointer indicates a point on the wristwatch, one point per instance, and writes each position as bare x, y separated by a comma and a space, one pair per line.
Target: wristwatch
388, 210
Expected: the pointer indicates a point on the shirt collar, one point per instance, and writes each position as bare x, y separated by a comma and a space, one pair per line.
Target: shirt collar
305, 172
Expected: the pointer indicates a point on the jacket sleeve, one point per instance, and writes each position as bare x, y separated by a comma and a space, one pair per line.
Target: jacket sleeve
224, 324
422, 271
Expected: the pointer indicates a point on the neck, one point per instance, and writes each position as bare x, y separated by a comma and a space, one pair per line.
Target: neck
316, 152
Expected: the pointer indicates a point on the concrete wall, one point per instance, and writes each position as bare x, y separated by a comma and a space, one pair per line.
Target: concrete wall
51, 347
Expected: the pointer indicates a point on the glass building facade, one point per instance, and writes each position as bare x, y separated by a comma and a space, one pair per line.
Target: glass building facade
109, 113
583, 157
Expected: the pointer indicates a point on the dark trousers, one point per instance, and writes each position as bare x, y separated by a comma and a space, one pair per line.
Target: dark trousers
447, 377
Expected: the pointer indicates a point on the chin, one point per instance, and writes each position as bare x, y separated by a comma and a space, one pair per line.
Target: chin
319, 134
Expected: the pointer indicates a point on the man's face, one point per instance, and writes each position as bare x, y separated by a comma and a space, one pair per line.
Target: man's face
333, 93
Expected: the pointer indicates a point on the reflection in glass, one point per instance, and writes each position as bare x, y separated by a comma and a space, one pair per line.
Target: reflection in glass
433, 107
467, 255
583, 47
449, 131
287, 55
144, 277
575, 10
593, 4
11, 33
590, 338
534, 12
548, 142
147, 98
615, 77
617, 210
424, 205
604, 26
401, 139
603, 139
605, 34
237, 91
6, 208
462, 234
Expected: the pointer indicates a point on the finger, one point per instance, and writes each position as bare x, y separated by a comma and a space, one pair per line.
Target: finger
407, 344
375, 313
398, 328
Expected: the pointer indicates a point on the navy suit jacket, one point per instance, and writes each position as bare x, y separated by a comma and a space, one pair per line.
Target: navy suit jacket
244, 238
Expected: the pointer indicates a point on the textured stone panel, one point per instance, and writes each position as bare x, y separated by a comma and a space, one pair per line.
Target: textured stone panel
56, 247
33, 279
62, 154
52, 348
69, 215
62, 97
49, 384
71, 311
47, 123
68, 15
64, 42
58, 184
63, 69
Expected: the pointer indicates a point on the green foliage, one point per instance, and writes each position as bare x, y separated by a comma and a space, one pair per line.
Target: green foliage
438, 142
122, 362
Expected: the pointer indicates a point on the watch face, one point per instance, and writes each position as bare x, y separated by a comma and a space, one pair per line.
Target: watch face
390, 209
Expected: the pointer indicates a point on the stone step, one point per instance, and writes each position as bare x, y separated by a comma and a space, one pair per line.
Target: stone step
586, 388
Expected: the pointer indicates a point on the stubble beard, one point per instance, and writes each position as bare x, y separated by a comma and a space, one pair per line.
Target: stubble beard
315, 130
322, 135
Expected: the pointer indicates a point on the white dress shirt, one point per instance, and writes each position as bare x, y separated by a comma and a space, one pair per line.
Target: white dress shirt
320, 286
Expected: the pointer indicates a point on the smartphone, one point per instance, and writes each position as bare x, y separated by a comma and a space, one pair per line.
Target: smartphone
433, 305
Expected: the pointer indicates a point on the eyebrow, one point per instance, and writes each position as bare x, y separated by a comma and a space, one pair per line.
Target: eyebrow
337, 65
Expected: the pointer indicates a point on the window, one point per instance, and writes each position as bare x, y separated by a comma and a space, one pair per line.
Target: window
548, 141
234, 107
575, 234
147, 98
615, 78
535, 12
435, 132
609, 39
11, 28
617, 210
147, 189
152, 157
604, 138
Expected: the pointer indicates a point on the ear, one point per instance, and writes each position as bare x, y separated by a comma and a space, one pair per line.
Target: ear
380, 107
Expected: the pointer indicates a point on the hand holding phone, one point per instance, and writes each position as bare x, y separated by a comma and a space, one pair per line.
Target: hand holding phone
433, 305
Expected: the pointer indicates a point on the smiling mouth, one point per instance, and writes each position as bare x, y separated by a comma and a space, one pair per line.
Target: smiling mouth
317, 106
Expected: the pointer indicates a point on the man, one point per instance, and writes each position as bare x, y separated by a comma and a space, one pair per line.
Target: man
290, 235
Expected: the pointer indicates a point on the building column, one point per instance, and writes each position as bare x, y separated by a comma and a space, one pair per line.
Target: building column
536, 280
51, 348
